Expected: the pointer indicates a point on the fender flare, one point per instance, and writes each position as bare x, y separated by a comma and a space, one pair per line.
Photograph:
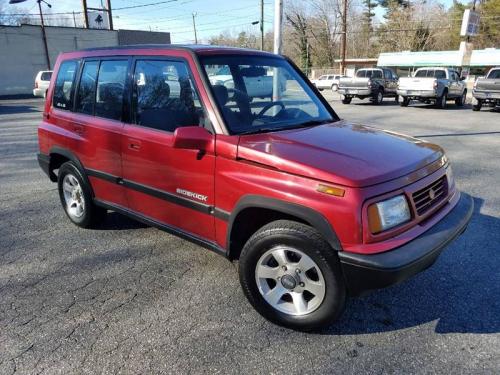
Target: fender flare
72, 157
310, 216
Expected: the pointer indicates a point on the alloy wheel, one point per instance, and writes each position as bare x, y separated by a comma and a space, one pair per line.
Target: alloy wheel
290, 281
73, 196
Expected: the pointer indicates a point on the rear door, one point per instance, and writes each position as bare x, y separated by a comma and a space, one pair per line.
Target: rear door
97, 125
170, 185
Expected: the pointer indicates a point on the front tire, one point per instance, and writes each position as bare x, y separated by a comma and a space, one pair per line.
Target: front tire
292, 276
76, 197
335, 87
477, 107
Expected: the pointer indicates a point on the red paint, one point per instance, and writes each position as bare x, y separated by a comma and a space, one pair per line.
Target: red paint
288, 165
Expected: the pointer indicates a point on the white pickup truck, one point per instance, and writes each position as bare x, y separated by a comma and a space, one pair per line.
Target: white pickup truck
429, 85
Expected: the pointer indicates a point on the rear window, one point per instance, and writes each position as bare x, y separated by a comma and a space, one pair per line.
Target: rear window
431, 73
369, 74
494, 74
64, 85
46, 76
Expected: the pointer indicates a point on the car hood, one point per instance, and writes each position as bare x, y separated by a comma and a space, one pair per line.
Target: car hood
340, 152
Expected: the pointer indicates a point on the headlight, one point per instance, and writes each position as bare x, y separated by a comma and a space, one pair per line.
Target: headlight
388, 214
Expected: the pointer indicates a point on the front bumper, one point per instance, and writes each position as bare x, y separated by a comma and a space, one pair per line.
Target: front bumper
369, 272
418, 93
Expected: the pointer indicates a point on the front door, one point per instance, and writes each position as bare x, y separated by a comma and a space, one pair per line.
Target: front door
172, 186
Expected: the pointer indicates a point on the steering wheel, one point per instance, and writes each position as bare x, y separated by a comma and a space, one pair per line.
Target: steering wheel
268, 106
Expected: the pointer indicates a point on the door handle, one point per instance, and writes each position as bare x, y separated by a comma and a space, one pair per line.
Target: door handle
134, 145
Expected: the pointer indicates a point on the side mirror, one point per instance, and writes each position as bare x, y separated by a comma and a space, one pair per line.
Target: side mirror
192, 138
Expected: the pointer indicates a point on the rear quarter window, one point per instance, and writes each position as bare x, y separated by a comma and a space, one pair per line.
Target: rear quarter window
63, 88
46, 76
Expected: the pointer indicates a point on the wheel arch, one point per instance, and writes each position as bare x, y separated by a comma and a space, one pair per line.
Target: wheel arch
58, 156
254, 211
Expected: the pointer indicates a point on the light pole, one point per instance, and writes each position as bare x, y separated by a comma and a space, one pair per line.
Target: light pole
44, 36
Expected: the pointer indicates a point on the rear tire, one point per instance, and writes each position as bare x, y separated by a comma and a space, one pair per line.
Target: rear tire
405, 102
346, 100
461, 101
477, 107
76, 197
313, 294
379, 97
441, 101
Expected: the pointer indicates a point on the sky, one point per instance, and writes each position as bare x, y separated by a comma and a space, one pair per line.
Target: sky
176, 16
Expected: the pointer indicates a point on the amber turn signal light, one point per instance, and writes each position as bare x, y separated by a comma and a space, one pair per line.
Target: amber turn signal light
331, 190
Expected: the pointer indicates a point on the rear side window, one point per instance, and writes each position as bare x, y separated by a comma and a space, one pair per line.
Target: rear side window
165, 97
110, 88
46, 76
494, 74
440, 74
64, 85
86, 90
376, 74
361, 74
424, 73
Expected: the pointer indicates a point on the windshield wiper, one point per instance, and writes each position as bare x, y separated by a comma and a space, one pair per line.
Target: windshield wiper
266, 129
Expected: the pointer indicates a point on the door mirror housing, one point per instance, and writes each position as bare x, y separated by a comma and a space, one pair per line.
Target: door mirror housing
192, 138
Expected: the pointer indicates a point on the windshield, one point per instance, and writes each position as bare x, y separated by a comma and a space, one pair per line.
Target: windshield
263, 93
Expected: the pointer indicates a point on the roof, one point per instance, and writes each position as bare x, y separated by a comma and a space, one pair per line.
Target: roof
197, 48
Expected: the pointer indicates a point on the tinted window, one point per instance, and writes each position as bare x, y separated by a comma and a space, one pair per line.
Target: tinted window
494, 74
110, 88
441, 74
376, 74
64, 85
164, 96
361, 73
46, 76
86, 91
387, 74
424, 73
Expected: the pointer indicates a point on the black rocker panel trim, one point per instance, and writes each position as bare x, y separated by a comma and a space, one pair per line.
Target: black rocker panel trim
167, 228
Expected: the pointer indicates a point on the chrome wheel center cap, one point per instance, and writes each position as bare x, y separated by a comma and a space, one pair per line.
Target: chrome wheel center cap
288, 282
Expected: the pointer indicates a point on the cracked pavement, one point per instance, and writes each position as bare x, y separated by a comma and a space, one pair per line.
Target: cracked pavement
127, 298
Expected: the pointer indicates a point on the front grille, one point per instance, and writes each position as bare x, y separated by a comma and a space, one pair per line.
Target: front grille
428, 197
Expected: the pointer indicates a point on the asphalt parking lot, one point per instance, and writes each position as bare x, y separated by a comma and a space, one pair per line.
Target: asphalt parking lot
126, 298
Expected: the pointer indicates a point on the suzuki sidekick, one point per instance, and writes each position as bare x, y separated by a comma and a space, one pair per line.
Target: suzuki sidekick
315, 208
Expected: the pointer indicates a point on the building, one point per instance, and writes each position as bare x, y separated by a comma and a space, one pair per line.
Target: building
22, 53
406, 62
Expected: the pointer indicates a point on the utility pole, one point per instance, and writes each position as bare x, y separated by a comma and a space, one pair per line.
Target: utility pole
85, 14
110, 16
194, 28
74, 19
278, 26
44, 36
262, 25
344, 36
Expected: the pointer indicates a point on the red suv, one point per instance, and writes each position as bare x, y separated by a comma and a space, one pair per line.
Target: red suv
237, 151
